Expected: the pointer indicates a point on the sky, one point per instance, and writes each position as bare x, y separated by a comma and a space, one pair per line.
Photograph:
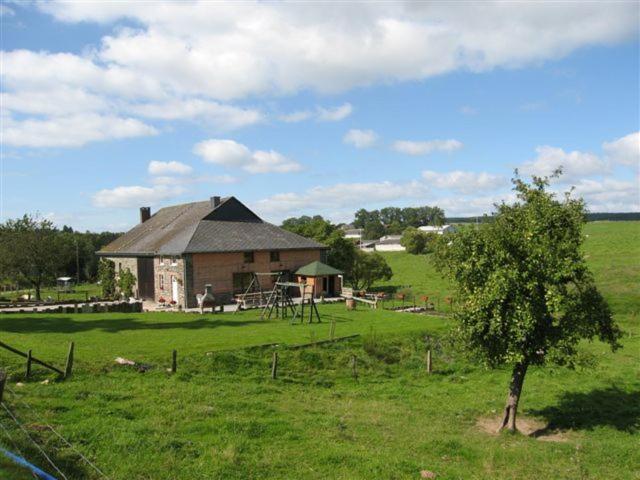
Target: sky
313, 108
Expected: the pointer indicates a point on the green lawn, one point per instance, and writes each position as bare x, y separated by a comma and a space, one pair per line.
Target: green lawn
221, 416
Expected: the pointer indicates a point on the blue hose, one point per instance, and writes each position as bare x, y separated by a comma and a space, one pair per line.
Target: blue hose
21, 461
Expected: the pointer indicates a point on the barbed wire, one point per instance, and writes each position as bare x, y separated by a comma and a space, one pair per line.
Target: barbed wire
55, 432
35, 444
15, 445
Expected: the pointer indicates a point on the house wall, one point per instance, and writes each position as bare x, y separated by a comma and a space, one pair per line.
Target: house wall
218, 269
169, 268
392, 247
122, 263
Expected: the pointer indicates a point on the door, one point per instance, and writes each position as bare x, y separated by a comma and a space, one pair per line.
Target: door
146, 287
174, 289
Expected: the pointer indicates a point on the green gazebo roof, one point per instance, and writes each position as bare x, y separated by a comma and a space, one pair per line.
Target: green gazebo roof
317, 269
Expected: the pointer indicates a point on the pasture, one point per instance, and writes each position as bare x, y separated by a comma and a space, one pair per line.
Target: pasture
222, 416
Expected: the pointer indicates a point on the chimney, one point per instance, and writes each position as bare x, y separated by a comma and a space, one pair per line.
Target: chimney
215, 201
145, 214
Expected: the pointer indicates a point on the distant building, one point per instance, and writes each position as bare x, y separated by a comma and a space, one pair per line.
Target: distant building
389, 243
353, 233
439, 230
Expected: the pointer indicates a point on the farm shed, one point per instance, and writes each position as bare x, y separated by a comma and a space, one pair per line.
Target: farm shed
325, 280
175, 252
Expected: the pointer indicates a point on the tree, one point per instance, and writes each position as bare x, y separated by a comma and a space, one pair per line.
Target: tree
126, 282
33, 250
314, 227
373, 230
414, 241
342, 253
367, 269
525, 294
107, 277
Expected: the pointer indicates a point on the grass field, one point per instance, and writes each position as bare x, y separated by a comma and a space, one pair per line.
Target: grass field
221, 416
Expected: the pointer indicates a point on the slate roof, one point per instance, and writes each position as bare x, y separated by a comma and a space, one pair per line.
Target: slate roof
200, 228
317, 269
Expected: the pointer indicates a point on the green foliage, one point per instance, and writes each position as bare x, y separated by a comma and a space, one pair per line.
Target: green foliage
107, 277
32, 250
367, 269
393, 220
126, 282
342, 252
525, 294
314, 227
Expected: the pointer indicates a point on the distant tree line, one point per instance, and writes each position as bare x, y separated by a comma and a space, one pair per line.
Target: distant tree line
34, 252
394, 220
360, 269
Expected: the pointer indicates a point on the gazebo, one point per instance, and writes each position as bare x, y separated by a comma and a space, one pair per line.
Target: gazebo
325, 280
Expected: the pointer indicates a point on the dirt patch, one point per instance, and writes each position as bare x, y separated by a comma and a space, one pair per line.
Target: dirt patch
530, 427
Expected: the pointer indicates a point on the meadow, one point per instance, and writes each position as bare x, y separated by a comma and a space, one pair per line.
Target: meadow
222, 416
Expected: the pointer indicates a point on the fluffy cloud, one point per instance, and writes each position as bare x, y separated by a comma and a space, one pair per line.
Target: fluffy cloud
168, 168
272, 48
610, 195
625, 150
343, 195
423, 148
71, 131
464, 182
574, 164
321, 114
187, 61
135, 196
233, 154
360, 138
193, 179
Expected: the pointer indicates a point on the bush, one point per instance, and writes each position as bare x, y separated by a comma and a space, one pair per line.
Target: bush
126, 281
107, 277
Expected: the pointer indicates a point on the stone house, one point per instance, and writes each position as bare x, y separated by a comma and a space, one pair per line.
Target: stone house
175, 252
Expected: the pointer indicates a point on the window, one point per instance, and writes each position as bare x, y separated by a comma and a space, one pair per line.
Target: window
161, 281
161, 260
274, 256
248, 257
174, 261
241, 281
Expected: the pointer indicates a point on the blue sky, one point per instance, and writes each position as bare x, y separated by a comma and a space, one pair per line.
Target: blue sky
299, 109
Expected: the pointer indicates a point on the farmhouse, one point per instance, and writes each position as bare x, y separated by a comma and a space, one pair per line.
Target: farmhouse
175, 252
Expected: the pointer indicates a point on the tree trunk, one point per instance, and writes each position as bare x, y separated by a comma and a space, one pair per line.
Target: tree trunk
37, 287
515, 389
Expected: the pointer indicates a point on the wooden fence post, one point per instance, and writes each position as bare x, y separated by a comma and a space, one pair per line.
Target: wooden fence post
3, 379
429, 366
28, 374
274, 366
332, 331
174, 361
354, 366
69, 365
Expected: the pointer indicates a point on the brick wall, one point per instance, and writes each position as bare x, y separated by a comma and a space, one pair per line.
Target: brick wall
166, 269
218, 268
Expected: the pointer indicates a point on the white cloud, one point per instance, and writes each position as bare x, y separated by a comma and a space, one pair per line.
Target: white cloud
343, 195
464, 182
609, 195
334, 114
168, 168
223, 117
71, 131
6, 11
574, 164
194, 179
423, 148
295, 117
135, 196
233, 154
468, 110
360, 138
321, 114
625, 150
272, 48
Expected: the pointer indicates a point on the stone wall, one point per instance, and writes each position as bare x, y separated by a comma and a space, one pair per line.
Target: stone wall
122, 263
166, 269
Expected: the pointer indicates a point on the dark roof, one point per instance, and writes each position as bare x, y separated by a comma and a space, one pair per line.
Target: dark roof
199, 227
317, 269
